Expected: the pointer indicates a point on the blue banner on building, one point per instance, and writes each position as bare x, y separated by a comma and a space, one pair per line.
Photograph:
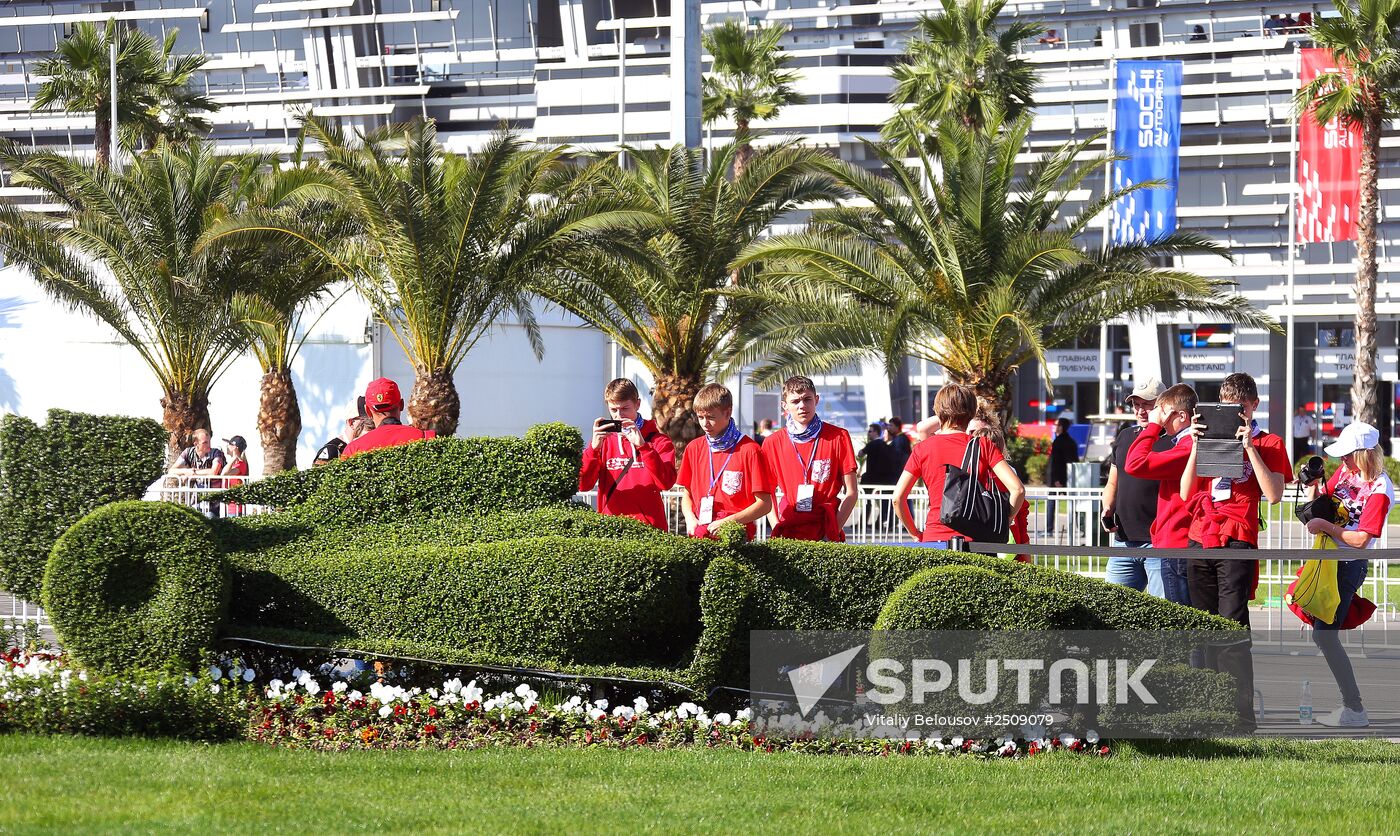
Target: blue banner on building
1147, 135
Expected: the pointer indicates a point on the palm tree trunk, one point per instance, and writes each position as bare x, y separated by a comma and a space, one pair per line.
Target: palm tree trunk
434, 404
182, 414
1363, 384
102, 136
279, 421
743, 150
672, 405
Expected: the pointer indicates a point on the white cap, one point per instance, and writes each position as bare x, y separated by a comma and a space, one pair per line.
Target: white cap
1148, 390
1355, 436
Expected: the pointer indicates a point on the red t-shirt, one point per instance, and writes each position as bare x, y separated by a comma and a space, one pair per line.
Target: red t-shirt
1170, 530
387, 435
1214, 521
822, 462
1367, 503
732, 478
928, 462
630, 481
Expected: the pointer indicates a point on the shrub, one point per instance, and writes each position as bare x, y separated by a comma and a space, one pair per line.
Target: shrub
51, 476
136, 584
133, 703
1037, 466
444, 477
962, 598
551, 599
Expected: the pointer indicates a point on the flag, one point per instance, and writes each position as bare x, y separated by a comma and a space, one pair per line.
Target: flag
1147, 139
1329, 166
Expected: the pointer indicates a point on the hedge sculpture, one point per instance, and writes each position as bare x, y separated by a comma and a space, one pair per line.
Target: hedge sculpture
470, 551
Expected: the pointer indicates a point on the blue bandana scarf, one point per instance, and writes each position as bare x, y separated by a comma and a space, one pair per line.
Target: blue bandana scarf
726, 440
803, 436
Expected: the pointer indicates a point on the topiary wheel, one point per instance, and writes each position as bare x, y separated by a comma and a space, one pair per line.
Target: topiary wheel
136, 585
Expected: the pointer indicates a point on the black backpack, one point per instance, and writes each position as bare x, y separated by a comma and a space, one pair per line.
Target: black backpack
979, 513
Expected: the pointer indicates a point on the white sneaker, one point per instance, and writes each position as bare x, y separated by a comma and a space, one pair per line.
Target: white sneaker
1345, 718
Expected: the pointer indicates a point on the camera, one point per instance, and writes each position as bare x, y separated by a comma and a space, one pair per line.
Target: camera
609, 425
1312, 471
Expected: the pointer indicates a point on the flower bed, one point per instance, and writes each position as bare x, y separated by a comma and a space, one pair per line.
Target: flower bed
41, 694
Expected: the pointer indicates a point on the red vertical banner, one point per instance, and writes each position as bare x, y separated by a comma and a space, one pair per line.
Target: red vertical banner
1329, 162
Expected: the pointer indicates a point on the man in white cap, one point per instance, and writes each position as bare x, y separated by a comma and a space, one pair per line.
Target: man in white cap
1130, 506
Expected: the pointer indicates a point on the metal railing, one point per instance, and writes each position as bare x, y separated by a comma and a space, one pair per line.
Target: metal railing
194, 491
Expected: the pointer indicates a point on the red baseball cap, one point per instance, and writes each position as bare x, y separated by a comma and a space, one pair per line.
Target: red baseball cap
382, 395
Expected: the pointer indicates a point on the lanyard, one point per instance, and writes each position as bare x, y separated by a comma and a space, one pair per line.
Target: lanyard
805, 465
714, 480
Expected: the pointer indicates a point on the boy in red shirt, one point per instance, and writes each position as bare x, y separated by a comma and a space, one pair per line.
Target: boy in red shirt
631, 463
1225, 512
812, 461
1170, 417
723, 475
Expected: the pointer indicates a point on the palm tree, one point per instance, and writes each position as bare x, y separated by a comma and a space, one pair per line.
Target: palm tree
747, 81
124, 251
155, 98
960, 65
284, 282
1365, 41
972, 273
656, 291
448, 243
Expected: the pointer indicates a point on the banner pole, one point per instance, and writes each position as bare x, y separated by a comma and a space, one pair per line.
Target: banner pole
1107, 222
1290, 396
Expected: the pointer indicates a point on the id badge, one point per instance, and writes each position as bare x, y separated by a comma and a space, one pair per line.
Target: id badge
707, 510
1220, 491
804, 497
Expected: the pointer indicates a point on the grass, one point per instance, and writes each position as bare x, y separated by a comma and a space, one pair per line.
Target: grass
1204, 787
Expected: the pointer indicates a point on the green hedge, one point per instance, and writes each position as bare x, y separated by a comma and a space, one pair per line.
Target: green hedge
51, 476
790, 585
445, 477
976, 598
564, 600
136, 585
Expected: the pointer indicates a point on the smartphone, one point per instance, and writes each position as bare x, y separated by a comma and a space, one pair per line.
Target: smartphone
610, 425
1222, 420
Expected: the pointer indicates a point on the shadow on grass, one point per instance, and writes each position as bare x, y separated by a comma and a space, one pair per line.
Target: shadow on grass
1321, 751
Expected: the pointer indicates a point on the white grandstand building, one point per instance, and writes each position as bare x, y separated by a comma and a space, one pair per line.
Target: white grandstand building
551, 69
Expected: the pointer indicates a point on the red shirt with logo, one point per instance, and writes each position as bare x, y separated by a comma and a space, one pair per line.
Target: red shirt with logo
630, 480
386, 435
821, 462
929, 462
1236, 517
1170, 528
732, 478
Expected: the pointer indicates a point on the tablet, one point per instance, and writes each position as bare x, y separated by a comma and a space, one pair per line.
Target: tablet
1222, 420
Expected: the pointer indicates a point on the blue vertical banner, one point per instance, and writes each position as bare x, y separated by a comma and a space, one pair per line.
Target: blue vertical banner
1147, 138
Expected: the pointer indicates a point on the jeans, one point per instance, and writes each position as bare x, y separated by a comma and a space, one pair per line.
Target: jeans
1160, 577
1350, 575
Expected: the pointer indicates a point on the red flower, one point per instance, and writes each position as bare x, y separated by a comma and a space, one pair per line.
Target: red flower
1103, 751
328, 732
534, 726
432, 711
430, 729
642, 738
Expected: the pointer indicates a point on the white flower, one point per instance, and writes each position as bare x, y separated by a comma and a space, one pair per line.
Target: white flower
523, 690
189, 680
745, 714
297, 674
313, 687
603, 704
1008, 747
215, 674
957, 741
640, 705
596, 714
625, 712
275, 685
1067, 739
304, 678
248, 674
214, 689
687, 709
723, 719
339, 687
354, 695
1091, 737
385, 711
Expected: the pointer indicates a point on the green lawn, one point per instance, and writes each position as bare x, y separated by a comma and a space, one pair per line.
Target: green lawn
68, 784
